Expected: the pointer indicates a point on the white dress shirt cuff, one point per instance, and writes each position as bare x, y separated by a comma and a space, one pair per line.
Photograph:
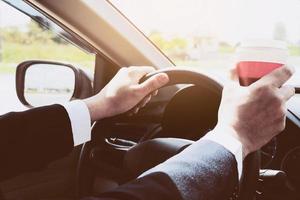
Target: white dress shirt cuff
231, 144
80, 121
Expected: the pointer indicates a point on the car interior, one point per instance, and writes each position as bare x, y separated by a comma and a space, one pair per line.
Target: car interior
123, 147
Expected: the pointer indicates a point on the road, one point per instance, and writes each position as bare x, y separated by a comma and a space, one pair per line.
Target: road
8, 97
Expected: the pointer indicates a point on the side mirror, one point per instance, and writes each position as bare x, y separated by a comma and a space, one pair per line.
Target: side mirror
40, 83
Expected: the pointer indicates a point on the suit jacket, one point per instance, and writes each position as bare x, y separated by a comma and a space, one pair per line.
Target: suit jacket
30, 140
203, 171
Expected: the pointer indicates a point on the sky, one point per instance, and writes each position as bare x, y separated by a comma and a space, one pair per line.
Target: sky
11, 17
229, 20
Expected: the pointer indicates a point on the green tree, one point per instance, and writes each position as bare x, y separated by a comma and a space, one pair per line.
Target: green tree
33, 34
12, 34
174, 44
0, 46
38, 34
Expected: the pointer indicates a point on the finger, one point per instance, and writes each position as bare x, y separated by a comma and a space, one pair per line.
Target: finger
154, 93
287, 92
277, 77
133, 111
154, 83
141, 71
145, 101
136, 110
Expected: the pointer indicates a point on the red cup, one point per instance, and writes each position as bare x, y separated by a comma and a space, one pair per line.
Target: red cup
256, 58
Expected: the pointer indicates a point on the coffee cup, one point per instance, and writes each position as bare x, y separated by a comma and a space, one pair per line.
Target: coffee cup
256, 58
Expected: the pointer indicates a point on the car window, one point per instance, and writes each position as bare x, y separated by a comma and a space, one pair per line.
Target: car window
22, 39
205, 33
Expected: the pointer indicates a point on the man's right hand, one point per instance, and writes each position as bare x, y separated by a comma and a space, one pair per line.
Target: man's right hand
257, 113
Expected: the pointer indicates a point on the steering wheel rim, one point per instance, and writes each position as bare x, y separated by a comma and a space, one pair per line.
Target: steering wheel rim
251, 164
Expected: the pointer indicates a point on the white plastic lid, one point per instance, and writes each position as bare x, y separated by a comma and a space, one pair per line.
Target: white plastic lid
262, 43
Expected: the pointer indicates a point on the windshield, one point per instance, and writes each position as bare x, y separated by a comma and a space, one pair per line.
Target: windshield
205, 33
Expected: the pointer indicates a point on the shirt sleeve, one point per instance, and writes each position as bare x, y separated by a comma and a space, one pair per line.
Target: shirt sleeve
231, 144
80, 121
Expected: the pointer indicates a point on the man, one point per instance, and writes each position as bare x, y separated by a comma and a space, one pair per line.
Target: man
209, 169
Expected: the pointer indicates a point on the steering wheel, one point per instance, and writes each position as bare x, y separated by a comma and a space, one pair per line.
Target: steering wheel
166, 147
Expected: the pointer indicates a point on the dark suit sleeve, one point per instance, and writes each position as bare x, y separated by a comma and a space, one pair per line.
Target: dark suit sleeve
203, 171
32, 139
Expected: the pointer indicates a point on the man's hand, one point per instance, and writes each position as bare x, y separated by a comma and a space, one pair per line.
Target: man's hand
257, 113
124, 93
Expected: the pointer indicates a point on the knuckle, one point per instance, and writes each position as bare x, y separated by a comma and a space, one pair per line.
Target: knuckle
152, 85
287, 71
262, 90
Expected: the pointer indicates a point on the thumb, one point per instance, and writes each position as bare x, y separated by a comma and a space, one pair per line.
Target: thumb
155, 82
